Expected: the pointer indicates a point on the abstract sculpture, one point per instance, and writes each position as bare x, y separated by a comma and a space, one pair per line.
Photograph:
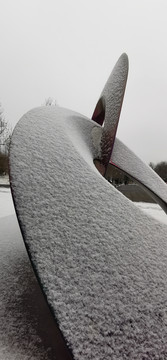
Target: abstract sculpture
101, 262
108, 111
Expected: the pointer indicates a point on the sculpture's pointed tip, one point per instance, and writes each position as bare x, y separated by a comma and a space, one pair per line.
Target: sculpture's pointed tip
116, 83
124, 58
124, 55
122, 63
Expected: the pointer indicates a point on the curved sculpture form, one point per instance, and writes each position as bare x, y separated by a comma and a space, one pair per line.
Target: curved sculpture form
108, 111
101, 262
108, 108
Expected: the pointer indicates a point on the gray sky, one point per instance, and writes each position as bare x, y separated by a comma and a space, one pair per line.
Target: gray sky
66, 49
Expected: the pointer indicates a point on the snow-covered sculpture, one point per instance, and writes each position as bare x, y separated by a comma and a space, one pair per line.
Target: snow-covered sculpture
112, 150
101, 262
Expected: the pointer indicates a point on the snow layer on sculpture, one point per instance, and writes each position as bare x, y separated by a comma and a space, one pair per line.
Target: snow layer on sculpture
101, 262
23, 312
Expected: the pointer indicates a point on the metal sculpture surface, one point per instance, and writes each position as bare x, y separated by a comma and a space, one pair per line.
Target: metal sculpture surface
101, 262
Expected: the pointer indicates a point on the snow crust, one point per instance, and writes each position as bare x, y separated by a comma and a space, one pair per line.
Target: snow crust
101, 261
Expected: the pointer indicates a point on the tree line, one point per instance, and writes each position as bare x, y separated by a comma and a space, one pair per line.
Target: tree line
160, 169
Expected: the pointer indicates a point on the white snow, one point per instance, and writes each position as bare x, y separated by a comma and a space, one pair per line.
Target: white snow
23, 312
7, 208
101, 261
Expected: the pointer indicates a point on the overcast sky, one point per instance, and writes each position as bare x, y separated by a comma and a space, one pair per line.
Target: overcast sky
66, 49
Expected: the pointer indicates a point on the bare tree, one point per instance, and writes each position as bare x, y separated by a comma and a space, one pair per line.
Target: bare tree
3, 128
2, 120
5, 132
50, 102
